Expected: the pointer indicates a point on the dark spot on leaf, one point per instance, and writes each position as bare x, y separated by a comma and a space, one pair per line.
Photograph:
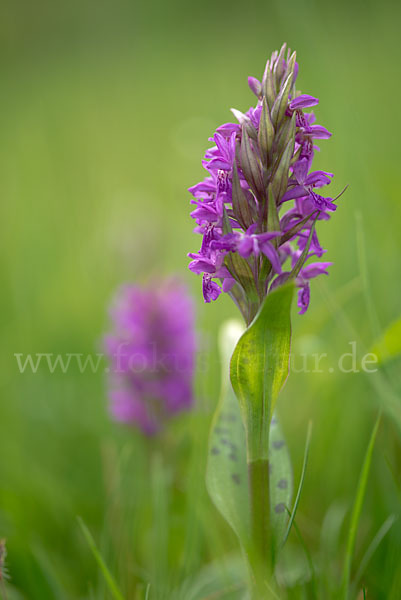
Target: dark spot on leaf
282, 484
235, 477
232, 456
230, 418
279, 508
278, 444
215, 450
274, 421
224, 442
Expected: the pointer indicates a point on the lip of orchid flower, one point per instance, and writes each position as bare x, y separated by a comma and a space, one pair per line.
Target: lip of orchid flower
258, 206
211, 290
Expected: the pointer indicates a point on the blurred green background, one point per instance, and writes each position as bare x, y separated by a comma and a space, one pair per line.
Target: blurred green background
105, 113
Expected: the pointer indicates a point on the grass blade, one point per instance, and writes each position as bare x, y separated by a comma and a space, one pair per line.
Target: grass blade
308, 557
301, 483
384, 529
356, 511
108, 577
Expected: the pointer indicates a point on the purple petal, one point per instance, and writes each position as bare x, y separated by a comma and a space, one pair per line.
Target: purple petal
201, 266
246, 246
318, 178
254, 115
279, 280
211, 290
322, 203
315, 269
296, 192
218, 163
269, 250
303, 298
303, 101
265, 237
228, 284
206, 186
300, 169
228, 128
251, 229
315, 247
204, 214
222, 273
227, 242
319, 132
255, 86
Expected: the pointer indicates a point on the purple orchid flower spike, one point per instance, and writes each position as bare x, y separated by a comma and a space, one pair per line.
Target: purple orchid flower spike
259, 205
151, 351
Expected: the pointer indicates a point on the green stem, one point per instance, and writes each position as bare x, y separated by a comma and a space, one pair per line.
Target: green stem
261, 559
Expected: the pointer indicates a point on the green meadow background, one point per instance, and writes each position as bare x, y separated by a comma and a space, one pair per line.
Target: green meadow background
105, 113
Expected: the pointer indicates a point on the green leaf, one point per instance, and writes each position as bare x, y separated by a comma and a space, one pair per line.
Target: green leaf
260, 366
374, 544
280, 482
227, 471
356, 512
301, 484
388, 346
227, 476
108, 577
220, 580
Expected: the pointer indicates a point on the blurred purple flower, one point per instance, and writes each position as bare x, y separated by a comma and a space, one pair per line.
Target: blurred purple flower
152, 353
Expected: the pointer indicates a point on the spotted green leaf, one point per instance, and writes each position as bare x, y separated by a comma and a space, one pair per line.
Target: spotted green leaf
260, 366
281, 481
227, 474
